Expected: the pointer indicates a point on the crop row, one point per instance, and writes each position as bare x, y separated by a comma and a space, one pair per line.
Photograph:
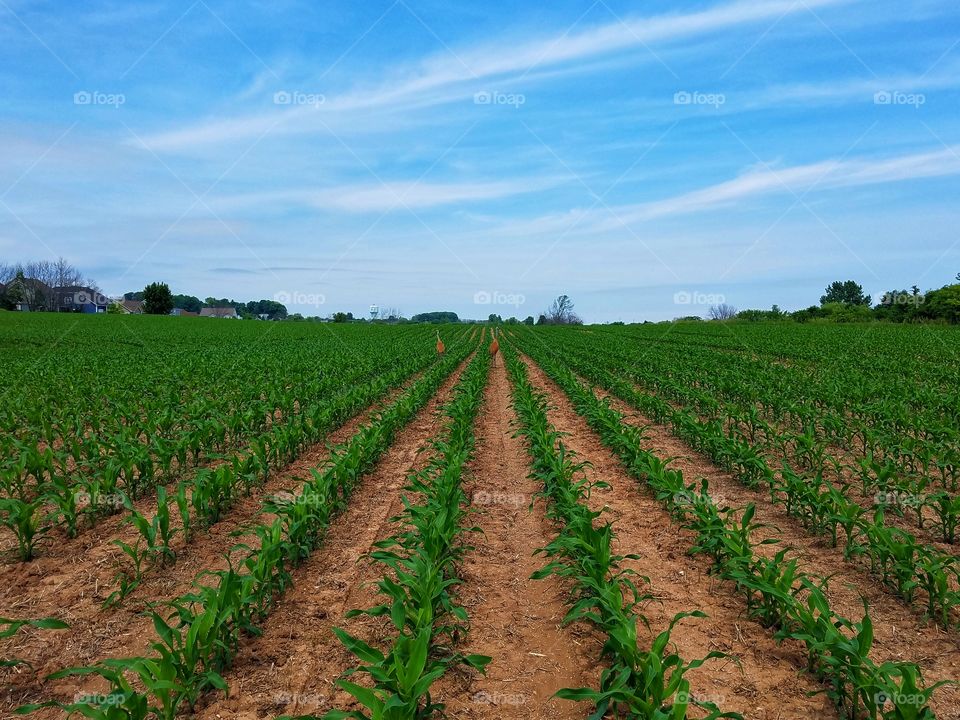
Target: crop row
421, 564
918, 573
199, 633
637, 683
777, 593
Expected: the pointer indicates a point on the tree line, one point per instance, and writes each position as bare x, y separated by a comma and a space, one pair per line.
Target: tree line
159, 300
845, 301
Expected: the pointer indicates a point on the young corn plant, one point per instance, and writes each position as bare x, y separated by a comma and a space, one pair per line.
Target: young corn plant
637, 683
28, 521
199, 640
418, 588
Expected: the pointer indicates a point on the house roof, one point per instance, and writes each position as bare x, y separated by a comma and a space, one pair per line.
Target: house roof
132, 306
218, 312
31, 283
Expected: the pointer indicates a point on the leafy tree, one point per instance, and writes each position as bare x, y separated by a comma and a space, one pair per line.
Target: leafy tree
529, 320
436, 317
494, 318
542, 320
13, 294
775, 313
275, 310
846, 313
845, 293
943, 304
157, 299
186, 302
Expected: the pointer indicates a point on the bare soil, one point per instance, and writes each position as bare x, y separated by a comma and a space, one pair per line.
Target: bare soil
761, 680
293, 667
900, 634
513, 619
74, 590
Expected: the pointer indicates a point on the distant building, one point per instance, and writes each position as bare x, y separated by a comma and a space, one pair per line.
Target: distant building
76, 298
30, 294
219, 312
131, 307
180, 312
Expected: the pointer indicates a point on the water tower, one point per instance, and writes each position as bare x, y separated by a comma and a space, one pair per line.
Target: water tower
374, 312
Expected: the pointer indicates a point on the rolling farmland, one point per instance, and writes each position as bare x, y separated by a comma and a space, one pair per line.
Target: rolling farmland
214, 519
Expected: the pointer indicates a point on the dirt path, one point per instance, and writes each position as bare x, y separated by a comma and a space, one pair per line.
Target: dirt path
899, 634
76, 594
767, 684
292, 668
513, 619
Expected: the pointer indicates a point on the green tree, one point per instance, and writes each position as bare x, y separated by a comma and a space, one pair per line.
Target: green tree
845, 293
529, 320
943, 304
157, 299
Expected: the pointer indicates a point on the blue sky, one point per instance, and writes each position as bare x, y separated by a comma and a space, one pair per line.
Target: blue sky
647, 159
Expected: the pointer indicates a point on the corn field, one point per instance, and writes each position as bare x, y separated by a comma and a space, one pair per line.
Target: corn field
263, 520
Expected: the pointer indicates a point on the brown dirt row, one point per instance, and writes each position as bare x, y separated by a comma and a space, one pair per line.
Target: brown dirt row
74, 590
766, 680
900, 635
293, 667
513, 619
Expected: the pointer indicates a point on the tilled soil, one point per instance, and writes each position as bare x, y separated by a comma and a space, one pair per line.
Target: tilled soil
76, 591
761, 680
513, 619
900, 634
292, 669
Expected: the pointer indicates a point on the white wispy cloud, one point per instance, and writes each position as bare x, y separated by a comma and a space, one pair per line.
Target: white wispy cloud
381, 197
760, 180
446, 77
